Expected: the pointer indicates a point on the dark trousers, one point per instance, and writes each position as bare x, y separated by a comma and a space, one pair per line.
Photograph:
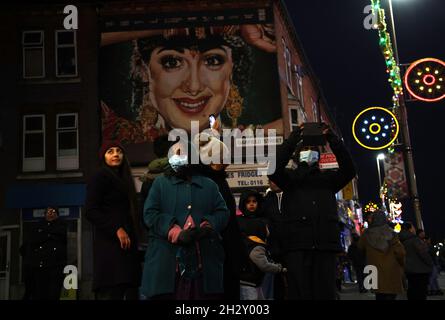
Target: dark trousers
360, 276
231, 283
188, 289
47, 283
417, 285
311, 275
385, 296
118, 292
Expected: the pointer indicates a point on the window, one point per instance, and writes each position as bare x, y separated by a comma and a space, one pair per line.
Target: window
314, 110
33, 54
66, 53
288, 68
293, 118
33, 143
67, 141
299, 81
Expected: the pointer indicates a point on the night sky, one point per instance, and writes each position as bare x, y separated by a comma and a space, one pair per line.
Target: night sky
350, 66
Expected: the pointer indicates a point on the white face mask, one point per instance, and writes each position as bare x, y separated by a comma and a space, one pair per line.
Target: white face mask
309, 156
177, 161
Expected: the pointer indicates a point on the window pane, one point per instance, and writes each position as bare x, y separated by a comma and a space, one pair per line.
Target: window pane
3, 250
68, 143
294, 116
33, 123
68, 121
33, 62
33, 38
66, 64
65, 37
34, 145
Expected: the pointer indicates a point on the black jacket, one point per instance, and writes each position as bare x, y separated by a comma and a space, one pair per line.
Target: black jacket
247, 216
46, 246
231, 236
418, 259
108, 209
309, 204
271, 211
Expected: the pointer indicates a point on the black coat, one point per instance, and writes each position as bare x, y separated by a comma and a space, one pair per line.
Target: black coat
46, 246
108, 209
274, 218
232, 241
309, 204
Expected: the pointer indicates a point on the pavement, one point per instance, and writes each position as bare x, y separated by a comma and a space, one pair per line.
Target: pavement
350, 292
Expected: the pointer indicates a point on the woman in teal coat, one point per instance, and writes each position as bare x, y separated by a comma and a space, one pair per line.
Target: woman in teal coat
185, 214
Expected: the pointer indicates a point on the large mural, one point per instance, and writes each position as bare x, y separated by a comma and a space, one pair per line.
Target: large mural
154, 80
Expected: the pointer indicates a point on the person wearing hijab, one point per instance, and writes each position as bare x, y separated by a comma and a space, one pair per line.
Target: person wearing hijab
111, 208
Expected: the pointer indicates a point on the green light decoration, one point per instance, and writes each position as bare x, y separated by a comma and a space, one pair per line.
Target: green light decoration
392, 68
386, 46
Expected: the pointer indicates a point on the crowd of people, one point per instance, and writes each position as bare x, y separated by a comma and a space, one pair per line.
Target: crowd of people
284, 245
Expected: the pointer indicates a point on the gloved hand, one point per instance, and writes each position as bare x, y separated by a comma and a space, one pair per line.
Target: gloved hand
204, 232
331, 137
187, 237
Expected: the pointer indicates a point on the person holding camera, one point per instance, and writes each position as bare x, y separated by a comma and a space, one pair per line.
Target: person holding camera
311, 232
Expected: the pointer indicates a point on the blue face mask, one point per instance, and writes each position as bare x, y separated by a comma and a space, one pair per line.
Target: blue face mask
309, 156
177, 161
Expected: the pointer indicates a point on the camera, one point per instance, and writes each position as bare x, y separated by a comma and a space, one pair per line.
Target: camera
313, 134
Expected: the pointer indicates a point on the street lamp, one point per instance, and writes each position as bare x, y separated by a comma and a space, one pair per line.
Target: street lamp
379, 157
405, 135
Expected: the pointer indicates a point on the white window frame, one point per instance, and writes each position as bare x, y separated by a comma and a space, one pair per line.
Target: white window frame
291, 124
37, 163
299, 83
33, 46
314, 110
287, 64
289, 69
57, 46
67, 162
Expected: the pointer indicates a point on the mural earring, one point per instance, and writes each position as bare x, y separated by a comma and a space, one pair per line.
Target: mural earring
148, 115
234, 105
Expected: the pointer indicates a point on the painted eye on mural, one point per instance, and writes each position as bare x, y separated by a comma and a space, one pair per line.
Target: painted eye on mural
214, 60
171, 62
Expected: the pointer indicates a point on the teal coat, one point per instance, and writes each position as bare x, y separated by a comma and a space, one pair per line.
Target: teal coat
169, 202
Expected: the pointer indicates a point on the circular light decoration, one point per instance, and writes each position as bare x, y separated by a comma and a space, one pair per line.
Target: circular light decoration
425, 79
371, 207
375, 128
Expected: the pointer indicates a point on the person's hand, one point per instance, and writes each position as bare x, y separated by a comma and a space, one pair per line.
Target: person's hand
331, 137
123, 238
283, 270
186, 237
258, 36
204, 232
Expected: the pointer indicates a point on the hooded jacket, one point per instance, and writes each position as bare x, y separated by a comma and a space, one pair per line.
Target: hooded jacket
385, 252
259, 257
248, 216
418, 259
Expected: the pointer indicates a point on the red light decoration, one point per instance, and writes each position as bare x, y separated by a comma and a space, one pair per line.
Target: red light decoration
429, 80
424, 79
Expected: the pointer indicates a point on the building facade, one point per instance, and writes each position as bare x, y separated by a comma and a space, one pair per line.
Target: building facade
64, 91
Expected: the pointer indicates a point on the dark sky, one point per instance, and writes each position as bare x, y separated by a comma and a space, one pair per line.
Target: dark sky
351, 68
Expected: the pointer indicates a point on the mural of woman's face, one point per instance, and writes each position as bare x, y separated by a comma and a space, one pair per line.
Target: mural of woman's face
188, 85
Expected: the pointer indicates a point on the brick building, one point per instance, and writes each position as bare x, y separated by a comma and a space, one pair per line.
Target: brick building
55, 81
